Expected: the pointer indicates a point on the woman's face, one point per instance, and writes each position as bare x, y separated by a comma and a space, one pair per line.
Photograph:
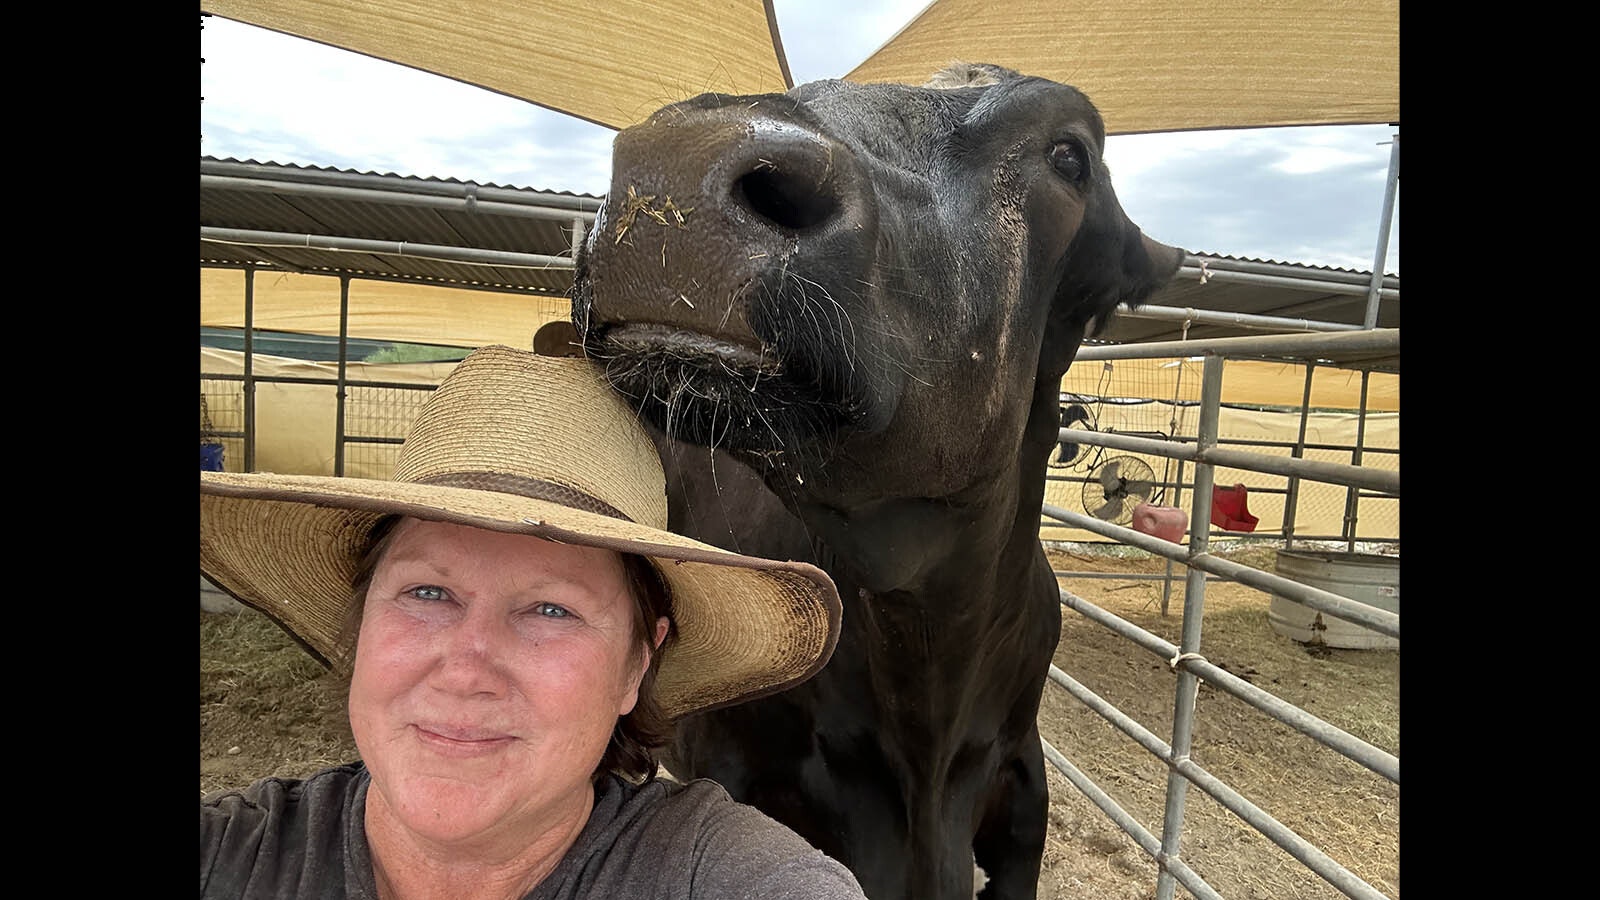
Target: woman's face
489, 673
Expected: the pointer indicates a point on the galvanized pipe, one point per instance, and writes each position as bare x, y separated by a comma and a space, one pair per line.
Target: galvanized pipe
1295, 346
1213, 264
339, 389
1346, 881
1215, 533
1242, 320
1355, 749
1124, 576
466, 197
1194, 598
1354, 611
463, 255
410, 187
249, 387
1291, 504
1299, 284
1384, 481
1187, 771
1352, 496
1376, 618
1393, 182
1141, 835
1381, 480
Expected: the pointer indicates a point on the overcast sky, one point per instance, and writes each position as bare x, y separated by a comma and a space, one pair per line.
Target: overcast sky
1310, 195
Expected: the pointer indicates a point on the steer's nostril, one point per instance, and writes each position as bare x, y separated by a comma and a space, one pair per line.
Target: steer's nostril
784, 200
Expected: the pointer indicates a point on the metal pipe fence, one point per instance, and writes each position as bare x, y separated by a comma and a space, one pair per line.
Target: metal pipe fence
1186, 659
1181, 765
1381, 480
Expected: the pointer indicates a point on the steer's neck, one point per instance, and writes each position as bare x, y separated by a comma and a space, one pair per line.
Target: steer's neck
931, 547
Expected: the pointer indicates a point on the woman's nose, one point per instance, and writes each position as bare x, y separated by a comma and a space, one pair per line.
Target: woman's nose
470, 656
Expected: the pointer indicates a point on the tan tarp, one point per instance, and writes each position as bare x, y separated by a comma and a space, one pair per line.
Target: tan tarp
1149, 65
379, 310
296, 428
612, 62
1174, 65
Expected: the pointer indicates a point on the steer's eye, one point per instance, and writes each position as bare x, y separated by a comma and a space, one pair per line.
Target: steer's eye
1068, 159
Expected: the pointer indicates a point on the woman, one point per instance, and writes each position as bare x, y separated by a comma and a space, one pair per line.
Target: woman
519, 629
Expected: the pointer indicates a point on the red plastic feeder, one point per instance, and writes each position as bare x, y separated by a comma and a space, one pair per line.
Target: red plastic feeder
1230, 508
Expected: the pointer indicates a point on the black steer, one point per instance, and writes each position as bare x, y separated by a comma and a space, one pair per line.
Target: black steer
867, 295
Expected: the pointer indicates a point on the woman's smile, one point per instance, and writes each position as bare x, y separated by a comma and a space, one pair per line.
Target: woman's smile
462, 741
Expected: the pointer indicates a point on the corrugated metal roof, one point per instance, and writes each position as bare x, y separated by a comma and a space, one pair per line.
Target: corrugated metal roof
388, 227
464, 234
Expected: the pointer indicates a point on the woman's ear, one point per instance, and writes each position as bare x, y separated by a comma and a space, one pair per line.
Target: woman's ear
662, 626
632, 698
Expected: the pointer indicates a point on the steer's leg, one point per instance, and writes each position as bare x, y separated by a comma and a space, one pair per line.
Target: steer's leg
1009, 844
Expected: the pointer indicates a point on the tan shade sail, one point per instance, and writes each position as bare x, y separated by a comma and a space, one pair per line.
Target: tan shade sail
612, 62
1149, 65
1174, 65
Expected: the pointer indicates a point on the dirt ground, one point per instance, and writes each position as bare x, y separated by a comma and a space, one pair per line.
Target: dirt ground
267, 708
1349, 812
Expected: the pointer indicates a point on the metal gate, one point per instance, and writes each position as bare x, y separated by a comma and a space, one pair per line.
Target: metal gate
1187, 659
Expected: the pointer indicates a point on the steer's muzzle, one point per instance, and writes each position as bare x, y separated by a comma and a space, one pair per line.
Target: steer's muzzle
715, 203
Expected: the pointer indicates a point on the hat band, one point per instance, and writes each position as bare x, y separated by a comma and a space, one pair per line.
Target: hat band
536, 488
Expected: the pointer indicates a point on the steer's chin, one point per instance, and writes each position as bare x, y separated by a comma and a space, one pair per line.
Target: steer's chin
704, 390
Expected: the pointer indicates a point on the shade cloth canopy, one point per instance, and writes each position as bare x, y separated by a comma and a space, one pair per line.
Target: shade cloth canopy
611, 62
1149, 65
1174, 65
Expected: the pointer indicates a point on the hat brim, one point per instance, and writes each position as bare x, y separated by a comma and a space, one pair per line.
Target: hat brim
289, 545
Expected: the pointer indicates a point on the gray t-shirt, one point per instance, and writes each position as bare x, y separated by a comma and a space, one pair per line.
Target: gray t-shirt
292, 838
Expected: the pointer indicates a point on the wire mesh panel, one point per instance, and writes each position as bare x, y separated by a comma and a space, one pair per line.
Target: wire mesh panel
1156, 399
376, 422
222, 424
1139, 398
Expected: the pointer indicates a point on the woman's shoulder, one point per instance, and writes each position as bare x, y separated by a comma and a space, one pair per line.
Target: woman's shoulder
285, 837
697, 835
693, 804
274, 791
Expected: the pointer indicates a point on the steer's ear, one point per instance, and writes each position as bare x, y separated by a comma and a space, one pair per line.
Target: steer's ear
1147, 265
1110, 262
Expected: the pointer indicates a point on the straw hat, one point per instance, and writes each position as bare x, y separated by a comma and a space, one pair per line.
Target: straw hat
536, 445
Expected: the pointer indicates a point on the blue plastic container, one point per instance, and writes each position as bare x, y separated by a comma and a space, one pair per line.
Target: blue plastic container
211, 457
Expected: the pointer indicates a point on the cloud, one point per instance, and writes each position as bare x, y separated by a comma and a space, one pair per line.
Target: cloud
1311, 195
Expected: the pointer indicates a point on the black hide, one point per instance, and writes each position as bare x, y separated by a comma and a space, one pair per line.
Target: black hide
846, 311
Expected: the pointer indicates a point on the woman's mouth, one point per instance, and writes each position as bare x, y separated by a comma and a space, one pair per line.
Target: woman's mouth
462, 740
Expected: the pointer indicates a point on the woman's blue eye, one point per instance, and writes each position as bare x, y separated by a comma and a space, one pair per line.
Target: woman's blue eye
552, 611
428, 592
